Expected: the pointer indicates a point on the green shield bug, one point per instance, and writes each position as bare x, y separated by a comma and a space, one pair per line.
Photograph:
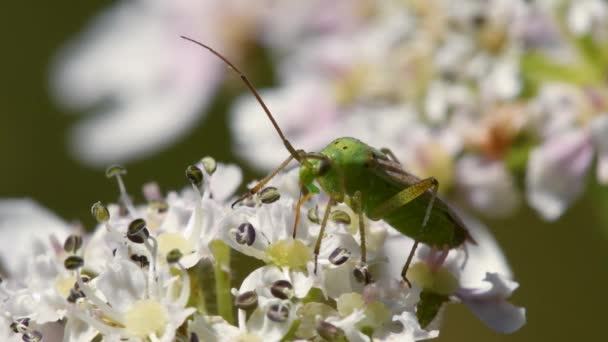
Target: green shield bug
373, 183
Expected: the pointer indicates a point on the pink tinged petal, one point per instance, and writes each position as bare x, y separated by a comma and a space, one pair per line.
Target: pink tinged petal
487, 185
147, 85
304, 111
491, 307
599, 132
24, 223
225, 181
484, 257
556, 172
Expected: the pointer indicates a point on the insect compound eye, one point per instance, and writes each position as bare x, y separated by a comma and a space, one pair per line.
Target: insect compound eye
324, 167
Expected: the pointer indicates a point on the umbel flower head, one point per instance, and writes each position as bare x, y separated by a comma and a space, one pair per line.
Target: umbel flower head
144, 273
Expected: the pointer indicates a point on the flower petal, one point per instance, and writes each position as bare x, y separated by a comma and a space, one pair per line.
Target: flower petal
556, 172
491, 307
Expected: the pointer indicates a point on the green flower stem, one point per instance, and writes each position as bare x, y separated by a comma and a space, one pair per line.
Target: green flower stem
221, 269
197, 299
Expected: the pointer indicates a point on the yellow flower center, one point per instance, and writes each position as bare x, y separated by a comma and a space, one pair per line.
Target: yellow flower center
291, 253
170, 241
441, 281
64, 283
146, 317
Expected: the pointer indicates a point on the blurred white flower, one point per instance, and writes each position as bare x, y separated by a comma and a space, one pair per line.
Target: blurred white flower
142, 85
24, 222
487, 185
585, 15
556, 172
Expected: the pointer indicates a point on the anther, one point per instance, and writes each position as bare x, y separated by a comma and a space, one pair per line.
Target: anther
117, 171
100, 212
245, 234
142, 260
193, 337
340, 216
137, 232
209, 164
194, 175
329, 331
339, 256
278, 312
362, 274
73, 262
269, 195
75, 295
20, 325
72, 243
246, 300
282, 289
313, 215
174, 256
33, 336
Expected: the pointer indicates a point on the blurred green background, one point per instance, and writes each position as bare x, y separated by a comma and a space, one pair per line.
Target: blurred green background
561, 267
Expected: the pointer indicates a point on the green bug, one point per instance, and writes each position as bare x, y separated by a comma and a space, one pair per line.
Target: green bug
372, 183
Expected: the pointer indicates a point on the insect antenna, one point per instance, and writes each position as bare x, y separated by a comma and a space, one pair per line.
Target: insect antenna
295, 153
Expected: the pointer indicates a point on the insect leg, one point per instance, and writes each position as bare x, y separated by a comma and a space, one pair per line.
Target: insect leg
390, 154
330, 203
301, 201
356, 206
263, 182
402, 198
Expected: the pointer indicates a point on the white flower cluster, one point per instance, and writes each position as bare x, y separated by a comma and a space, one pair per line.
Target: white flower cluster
499, 99
135, 277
